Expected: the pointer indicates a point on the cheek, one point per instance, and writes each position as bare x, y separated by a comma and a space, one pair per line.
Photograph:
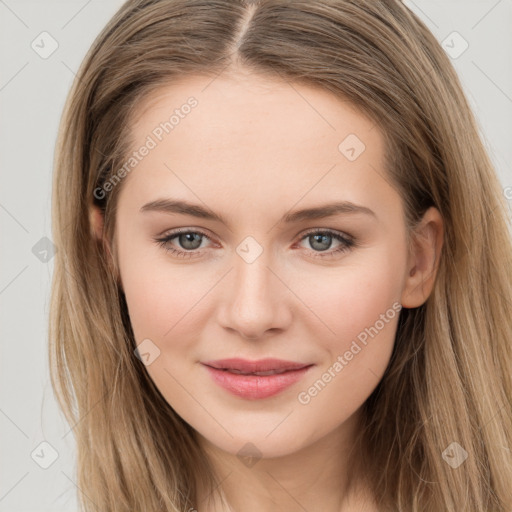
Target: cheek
161, 304
361, 315
341, 386
361, 296
157, 293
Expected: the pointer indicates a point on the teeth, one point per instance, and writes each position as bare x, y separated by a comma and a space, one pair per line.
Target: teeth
260, 374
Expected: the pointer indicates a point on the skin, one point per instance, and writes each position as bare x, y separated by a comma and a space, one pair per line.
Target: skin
252, 150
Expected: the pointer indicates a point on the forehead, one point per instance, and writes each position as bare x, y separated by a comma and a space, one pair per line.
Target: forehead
258, 137
242, 104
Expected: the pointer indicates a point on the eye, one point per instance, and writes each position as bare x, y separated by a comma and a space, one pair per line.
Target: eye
321, 241
190, 240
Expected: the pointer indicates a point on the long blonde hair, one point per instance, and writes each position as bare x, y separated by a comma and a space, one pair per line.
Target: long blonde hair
449, 378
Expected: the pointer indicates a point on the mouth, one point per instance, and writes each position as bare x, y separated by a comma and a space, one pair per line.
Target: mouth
240, 372
269, 366
255, 379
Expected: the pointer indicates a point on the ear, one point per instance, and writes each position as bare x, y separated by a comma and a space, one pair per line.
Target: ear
96, 221
423, 260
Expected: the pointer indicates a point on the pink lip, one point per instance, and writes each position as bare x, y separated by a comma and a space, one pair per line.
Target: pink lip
254, 387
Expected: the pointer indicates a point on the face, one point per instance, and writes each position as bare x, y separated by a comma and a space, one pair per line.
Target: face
260, 227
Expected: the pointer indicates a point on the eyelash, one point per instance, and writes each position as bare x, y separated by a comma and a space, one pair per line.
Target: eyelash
347, 242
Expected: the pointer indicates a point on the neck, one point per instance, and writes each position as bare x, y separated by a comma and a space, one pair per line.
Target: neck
317, 477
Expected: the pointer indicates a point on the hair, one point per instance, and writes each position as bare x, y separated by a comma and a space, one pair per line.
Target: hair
449, 376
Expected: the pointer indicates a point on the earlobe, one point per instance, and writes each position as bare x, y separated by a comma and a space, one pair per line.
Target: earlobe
424, 257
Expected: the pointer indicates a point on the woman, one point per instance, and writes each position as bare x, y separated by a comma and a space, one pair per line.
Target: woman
283, 278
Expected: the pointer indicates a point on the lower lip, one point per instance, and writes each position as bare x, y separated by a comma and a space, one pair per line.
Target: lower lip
256, 387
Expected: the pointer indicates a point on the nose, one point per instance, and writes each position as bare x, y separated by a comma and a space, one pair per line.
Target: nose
257, 300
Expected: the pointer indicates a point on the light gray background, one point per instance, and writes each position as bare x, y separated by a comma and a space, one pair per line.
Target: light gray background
32, 94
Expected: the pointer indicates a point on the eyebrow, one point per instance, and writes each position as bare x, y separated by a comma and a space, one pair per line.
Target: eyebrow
316, 212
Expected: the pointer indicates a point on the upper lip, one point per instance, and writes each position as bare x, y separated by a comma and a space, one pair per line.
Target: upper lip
260, 365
